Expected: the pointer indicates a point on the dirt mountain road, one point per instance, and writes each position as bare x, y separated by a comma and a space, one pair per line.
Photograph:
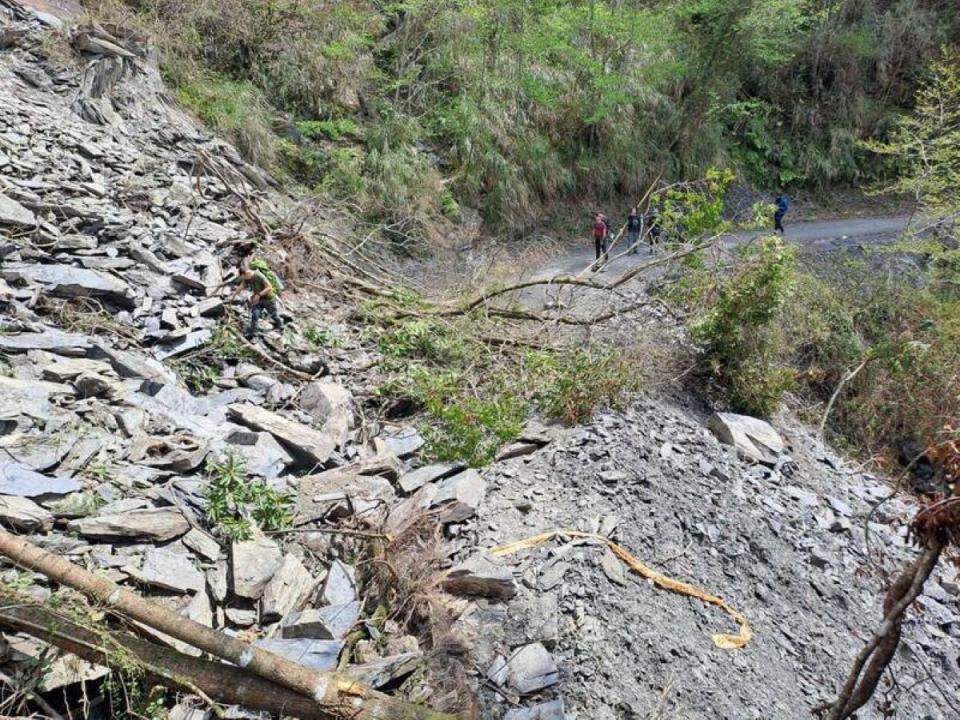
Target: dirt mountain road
819, 235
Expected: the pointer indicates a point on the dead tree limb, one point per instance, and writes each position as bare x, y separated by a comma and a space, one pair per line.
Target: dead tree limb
836, 393
873, 659
571, 280
336, 694
164, 666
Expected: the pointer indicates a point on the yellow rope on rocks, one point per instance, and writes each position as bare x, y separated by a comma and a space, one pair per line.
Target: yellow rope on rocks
723, 641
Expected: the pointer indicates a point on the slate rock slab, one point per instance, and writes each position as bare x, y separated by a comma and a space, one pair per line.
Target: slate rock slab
303, 442
753, 438
529, 669
287, 590
152, 525
416, 479
14, 214
331, 622
72, 282
320, 655
23, 514
171, 571
553, 710
24, 482
459, 496
28, 398
51, 340
252, 564
340, 586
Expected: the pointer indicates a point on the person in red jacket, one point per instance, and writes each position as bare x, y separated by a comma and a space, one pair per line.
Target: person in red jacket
599, 234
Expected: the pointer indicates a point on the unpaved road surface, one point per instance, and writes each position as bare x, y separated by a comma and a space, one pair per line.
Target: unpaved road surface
820, 236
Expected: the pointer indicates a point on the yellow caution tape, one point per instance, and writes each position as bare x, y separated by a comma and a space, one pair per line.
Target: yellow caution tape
725, 642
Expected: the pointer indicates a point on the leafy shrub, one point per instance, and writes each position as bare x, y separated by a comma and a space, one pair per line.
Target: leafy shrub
426, 339
323, 337
738, 331
471, 429
570, 386
234, 500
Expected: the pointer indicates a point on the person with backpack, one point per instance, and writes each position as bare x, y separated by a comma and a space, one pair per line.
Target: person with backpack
634, 226
782, 204
600, 232
653, 222
609, 239
263, 297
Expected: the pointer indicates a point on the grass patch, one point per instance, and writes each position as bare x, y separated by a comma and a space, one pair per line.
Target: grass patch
329, 129
236, 109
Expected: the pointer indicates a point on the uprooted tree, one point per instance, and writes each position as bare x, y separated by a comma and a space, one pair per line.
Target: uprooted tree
936, 531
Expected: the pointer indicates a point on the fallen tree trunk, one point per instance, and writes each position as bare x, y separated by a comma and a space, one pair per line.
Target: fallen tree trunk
161, 665
337, 695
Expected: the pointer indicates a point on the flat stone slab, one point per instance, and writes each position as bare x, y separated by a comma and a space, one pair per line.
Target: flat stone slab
416, 479
340, 493
23, 514
303, 442
252, 564
321, 655
14, 214
65, 369
202, 544
287, 590
191, 341
404, 443
529, 669
332, 622
28, 398
39, 452
153, 525
171, 571
753, 438
459, 496
24, 482
71, 282
51, 340
340, 586
264, 455
553, 710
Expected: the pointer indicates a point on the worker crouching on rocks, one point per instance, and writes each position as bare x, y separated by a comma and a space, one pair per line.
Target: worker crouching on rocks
262, 298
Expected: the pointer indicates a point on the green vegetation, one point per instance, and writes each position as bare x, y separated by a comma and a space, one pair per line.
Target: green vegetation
889, 346
410, 109
739, 332
235, 502
475, 395
322, 337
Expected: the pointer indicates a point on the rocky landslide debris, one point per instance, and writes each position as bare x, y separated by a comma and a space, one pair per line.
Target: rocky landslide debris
119, 225
117, 231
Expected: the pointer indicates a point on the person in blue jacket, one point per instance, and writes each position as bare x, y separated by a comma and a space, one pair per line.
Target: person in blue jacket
783, 204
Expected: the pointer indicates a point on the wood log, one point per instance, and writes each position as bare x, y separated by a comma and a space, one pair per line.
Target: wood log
162, 665
337, 694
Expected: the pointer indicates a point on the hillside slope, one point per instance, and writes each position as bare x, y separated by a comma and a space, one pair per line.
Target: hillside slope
127, 389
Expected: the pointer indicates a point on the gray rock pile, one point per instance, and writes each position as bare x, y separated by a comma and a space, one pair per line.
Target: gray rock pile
118, 226
784, 540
